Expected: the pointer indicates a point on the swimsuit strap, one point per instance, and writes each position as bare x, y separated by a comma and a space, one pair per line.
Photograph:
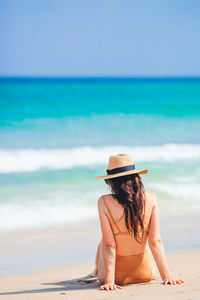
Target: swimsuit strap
114, 222
119, 218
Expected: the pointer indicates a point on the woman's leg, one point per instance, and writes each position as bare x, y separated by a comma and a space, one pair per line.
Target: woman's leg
99, 270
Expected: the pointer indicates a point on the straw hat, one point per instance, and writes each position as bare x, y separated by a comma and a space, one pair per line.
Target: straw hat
121, 165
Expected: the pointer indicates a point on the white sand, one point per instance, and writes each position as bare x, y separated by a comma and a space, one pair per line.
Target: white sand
63, 284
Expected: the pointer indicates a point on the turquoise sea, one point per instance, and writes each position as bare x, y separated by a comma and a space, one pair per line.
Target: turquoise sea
56, 135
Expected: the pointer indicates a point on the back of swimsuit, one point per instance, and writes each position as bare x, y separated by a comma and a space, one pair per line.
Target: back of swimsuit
119, 232
130, 268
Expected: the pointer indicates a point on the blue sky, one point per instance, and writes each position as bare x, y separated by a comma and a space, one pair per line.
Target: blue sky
99, 38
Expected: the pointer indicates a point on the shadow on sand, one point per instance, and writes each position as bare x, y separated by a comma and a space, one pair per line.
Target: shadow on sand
82, 283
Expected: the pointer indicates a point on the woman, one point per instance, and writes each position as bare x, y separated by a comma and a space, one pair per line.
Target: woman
130, 223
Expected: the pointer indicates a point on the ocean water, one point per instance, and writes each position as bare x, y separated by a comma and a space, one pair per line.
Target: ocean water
56, 136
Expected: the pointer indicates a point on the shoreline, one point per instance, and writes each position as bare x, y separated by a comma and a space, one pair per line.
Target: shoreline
35, 250
65, 282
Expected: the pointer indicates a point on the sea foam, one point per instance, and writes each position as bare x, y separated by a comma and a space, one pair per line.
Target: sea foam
28, 160
65, 208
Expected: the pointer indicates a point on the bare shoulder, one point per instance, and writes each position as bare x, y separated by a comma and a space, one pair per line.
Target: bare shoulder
151, 197
103, 198
101, 201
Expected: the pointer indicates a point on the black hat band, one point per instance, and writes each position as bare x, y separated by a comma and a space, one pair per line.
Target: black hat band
121, 169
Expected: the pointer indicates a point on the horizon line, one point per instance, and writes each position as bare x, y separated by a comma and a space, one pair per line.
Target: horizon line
96, 78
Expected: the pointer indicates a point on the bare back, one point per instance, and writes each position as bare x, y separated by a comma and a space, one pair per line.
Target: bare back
125, 243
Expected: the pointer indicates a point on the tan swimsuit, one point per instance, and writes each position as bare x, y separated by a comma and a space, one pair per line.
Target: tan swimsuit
131, 268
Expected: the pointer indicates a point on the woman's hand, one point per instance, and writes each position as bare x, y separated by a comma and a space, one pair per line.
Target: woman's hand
110, 286
172, 281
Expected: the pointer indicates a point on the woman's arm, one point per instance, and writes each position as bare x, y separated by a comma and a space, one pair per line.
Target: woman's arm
156, 245
109, 248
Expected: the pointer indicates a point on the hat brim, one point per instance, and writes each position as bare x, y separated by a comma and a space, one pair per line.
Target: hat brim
123, 174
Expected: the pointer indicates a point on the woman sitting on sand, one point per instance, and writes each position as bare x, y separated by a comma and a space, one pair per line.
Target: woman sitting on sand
129, 222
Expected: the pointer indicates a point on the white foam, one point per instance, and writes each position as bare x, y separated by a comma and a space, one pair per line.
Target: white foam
179, 190
43, 208
42, 215
27, 160
62, 208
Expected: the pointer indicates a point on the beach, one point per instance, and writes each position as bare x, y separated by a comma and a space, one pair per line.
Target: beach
90, 89
70, 283
50, 263
55, 137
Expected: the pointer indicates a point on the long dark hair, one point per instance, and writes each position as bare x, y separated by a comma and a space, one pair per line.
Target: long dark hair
129, 192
